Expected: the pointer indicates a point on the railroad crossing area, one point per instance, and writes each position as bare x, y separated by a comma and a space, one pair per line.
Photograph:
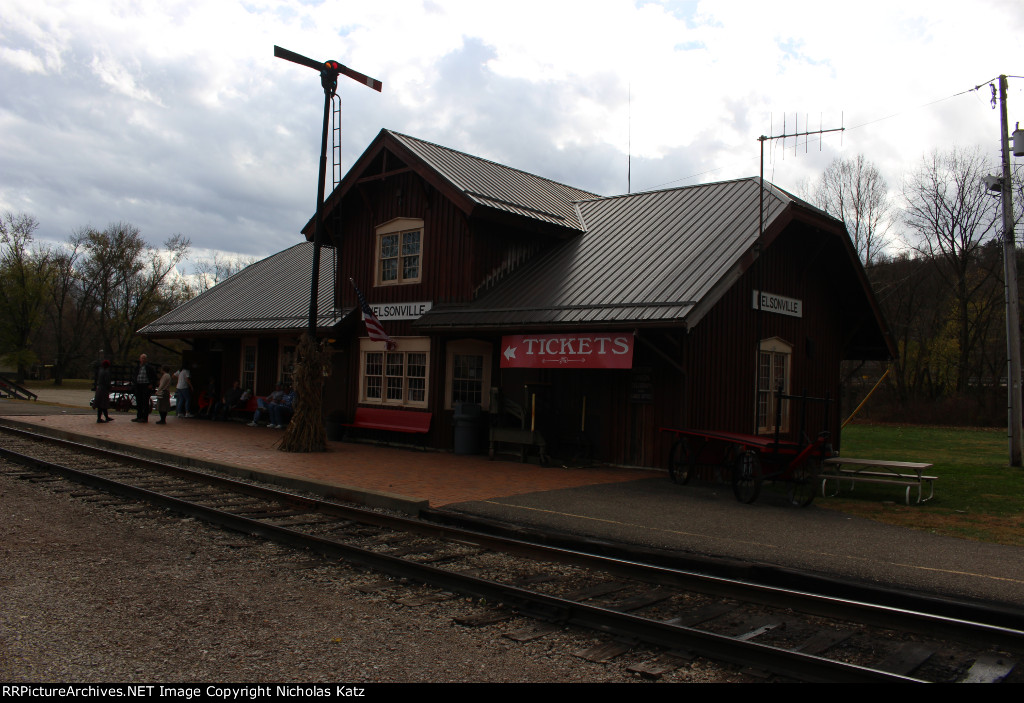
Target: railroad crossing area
631, 506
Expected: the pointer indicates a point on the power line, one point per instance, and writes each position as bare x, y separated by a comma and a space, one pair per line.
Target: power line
858, 126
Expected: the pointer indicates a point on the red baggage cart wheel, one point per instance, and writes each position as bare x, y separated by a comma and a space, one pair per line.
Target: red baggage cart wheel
746, 477
681, 462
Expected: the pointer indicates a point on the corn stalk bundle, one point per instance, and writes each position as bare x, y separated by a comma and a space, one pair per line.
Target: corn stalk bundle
305, 433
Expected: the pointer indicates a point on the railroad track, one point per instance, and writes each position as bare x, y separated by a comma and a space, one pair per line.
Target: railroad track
789, 633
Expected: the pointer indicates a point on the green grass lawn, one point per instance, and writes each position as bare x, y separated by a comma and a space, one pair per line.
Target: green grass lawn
977, 494
72, 384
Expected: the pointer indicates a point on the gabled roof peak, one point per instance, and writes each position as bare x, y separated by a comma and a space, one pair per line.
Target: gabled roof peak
481, 159
771, 188
498, 187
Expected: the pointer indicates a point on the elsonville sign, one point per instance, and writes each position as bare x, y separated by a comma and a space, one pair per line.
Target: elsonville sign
400, 311
770, 302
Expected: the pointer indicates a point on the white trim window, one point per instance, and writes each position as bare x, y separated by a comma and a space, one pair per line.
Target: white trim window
773, 371
249, 357
468, 369
399, 377
286, 361
399, 252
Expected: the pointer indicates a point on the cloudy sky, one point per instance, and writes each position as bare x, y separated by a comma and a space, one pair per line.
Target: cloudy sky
175, 116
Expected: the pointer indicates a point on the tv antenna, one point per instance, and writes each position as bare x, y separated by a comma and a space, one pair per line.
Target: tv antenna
784, 136
758, 246
329, 72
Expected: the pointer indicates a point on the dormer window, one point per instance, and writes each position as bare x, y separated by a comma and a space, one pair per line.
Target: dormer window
399, 257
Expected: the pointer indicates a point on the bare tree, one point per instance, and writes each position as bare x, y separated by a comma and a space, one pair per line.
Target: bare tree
210, 272
130, 281
854, 191
951, 217
24, 277
68, 308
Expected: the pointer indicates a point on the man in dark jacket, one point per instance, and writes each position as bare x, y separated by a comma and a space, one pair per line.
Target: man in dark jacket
144, 380
101, 401
228, 402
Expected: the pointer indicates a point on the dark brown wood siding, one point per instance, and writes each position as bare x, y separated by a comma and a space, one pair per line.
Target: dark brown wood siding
457, 263
446, 249
266, 365
701, 379
231, 362
624, 409
720, 351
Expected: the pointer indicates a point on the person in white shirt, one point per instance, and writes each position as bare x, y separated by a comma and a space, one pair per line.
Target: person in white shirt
184, 393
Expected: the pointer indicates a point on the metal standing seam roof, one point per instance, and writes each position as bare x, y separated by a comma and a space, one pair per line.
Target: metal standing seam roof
269, 295
644, 258
500, 187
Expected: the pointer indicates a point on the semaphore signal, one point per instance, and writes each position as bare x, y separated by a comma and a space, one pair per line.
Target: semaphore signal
329, 72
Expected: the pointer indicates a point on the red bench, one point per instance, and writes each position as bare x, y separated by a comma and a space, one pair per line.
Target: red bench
246, 409
388, 420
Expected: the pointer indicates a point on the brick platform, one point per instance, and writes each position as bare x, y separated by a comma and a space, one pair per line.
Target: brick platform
438, 478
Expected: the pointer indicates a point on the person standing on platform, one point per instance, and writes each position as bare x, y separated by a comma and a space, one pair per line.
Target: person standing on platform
184, 393
207, 400
144, 380
163, 395
102, 398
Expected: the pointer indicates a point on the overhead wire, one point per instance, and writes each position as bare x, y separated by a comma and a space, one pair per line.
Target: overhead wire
857, 126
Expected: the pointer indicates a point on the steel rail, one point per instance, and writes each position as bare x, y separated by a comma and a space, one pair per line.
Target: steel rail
782, 661
896, 618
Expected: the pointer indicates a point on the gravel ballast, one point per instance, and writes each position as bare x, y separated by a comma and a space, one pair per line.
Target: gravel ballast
97, 594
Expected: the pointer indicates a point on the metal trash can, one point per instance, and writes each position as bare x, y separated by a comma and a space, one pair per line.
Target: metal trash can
468, 428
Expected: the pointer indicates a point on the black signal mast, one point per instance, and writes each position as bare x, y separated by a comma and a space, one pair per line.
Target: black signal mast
329, 72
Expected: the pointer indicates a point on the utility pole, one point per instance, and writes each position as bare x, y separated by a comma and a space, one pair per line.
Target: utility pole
1013, 389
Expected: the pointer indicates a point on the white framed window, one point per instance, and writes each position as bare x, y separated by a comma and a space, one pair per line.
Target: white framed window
773, 370
468, 370
399, 377
286, 361
399, 252
248, 364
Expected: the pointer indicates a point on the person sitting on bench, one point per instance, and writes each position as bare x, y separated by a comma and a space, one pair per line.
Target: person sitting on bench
228, 402
281, 413
263, 404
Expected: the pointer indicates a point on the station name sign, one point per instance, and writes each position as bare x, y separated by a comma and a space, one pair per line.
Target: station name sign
568, 351
400, 311
779, 304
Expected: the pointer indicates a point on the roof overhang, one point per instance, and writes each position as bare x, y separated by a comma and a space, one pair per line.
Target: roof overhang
326, 324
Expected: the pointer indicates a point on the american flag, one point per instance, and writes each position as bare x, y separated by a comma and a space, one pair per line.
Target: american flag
373, 326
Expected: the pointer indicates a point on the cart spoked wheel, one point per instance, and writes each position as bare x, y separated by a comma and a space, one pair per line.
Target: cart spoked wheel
680, 462
804, 483
746, 477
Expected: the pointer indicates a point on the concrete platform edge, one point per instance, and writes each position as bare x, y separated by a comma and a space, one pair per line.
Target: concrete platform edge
361, 496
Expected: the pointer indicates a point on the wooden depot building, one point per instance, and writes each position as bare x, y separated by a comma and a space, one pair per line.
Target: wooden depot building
602, 318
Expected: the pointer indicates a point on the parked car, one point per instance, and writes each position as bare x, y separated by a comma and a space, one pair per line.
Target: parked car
118, 401
153, 400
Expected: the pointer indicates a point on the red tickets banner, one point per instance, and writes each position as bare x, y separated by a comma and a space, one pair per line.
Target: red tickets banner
567, 351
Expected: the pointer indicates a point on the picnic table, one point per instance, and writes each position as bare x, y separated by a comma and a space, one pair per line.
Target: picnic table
907, 474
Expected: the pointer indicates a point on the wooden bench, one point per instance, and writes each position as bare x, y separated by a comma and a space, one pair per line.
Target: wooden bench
389, 420
899, 473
